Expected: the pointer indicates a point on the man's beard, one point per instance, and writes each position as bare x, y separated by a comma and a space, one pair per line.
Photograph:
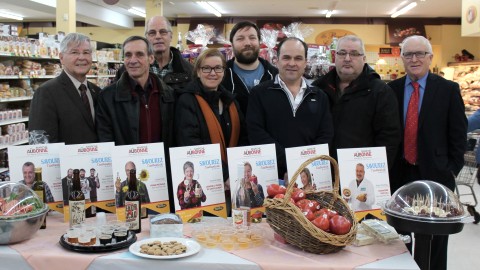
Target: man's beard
250, 59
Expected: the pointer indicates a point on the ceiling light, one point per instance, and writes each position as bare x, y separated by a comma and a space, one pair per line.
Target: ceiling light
50, 3
208, 6
137, 12
329, 13
9, 15
404, 9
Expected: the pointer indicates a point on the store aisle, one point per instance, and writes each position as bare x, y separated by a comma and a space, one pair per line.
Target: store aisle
464, 247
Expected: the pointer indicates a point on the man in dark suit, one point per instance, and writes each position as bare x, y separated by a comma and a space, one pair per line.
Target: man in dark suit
434, 145
63, 107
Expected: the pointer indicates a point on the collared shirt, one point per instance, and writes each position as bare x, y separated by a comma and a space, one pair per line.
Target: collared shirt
48, 193
162, 72
408, 93
295, 101
77, 84
140, 91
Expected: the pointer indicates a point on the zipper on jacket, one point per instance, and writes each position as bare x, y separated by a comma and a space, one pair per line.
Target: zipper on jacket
294, 111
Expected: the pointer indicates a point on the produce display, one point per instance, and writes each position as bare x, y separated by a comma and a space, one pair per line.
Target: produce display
325, 219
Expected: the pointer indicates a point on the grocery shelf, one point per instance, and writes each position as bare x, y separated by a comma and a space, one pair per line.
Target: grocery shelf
17, 77
14, 121
5, 146
15, 99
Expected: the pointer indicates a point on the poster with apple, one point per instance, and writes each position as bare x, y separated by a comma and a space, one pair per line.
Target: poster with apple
316, 176
197, 179
94, 160
25, 159
149, 162
364, 179
251, 170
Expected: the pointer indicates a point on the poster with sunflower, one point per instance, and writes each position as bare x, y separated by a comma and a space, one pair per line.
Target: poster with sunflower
197, 179
94, 160
149, 162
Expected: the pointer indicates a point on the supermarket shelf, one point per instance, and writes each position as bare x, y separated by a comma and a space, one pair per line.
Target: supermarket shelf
14, 121
5, 146
17, 77
29, 57
15, 99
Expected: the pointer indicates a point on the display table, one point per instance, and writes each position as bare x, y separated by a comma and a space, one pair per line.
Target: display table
44, 252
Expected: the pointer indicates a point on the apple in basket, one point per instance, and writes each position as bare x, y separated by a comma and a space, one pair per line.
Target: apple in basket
274, 189
340, 225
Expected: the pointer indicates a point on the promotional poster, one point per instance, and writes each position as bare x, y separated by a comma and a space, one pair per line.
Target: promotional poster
251, 170
197, 179
149, 162
316, 176
364, 179
24, 159
94, 160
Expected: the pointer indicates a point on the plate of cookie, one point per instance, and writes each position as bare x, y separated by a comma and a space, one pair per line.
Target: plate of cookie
163, 248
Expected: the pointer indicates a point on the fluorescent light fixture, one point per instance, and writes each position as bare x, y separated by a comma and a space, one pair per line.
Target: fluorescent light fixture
208, 6
137, 12
50, 3
6, 14
404, 9
329, 13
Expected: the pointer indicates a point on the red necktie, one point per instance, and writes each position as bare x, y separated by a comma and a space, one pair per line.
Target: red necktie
86, 102
411, 127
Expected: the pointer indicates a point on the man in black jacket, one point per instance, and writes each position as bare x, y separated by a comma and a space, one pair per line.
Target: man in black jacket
168, 63
286, 111
363, 107
246, 70
139, 107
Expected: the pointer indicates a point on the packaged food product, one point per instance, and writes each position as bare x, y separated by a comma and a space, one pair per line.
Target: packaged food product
380, 229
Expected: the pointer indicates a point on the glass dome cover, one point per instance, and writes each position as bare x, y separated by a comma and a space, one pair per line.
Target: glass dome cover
425, 200
19, 201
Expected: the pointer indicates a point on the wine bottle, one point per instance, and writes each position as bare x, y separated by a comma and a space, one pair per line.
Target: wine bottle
39, 188
133, 204
76, 201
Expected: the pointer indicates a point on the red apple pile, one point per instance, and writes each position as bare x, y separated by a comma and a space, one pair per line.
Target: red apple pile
323, 218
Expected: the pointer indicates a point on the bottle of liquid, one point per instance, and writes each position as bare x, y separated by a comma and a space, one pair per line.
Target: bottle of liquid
76, 201
39, 188
179, 42
133, 204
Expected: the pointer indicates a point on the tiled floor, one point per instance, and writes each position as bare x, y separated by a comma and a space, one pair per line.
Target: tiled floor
464, 247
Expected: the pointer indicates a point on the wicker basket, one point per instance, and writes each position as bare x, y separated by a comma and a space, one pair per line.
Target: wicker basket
287, 220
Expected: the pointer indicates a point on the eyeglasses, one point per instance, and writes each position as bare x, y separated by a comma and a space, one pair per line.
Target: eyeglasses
162, 32
353, 54
419, 55
77, 53
217, 69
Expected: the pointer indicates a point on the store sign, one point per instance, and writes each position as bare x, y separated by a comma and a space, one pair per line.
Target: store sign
385, 51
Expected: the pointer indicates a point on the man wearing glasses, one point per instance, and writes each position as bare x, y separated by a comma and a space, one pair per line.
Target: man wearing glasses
432, 115
363, 107
64, 107
168, 64
286, 111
